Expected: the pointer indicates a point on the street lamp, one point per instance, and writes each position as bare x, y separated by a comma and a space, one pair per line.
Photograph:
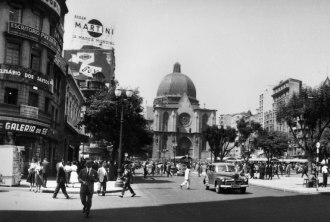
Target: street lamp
174, 149
317, 151
120, 93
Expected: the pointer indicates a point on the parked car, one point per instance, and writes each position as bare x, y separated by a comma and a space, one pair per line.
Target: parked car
222, 176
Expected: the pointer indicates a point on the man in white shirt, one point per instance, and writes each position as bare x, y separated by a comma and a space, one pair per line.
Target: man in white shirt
325, 175
186, 178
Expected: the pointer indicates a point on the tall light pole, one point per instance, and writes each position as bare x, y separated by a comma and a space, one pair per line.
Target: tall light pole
119, 94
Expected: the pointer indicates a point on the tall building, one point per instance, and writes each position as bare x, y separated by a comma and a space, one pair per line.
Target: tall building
179, 120
266, 117
32, 77
281, 94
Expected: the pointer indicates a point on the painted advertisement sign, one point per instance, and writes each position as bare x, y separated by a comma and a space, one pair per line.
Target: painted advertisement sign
86, 62
19, 73
91, 32
36, 35
23, 127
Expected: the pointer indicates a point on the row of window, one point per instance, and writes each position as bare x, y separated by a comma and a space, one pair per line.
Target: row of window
11, 97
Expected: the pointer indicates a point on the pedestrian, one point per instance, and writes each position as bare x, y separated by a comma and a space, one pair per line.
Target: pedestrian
31, 176
288, 169
262, 171
67, 169
87, 177
186, 178
61, 181
38, 177
275, 170
45, 171
74, 174
145, 171
304, 170
168, 169
102, 175
325, 171
126, 177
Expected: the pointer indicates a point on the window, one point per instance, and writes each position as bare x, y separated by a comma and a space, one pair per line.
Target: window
15, 14
33, 99
11, 96
37, 20
35, 60
47, 102
13, 52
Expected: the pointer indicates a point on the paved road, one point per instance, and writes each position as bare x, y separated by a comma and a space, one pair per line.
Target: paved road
161, 199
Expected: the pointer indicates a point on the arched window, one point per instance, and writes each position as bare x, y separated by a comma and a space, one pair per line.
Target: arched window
164, 143
184, 147
165, 122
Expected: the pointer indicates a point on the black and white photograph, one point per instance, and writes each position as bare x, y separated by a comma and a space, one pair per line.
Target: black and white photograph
164, 110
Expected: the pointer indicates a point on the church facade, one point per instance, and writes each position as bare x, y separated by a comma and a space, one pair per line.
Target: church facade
178, 119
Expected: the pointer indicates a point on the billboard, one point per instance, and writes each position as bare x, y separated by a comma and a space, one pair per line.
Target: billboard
91, 32
91, 60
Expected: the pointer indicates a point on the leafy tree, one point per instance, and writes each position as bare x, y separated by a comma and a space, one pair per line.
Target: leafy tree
247, 131
220, 140
273, 143
307, 116
102, 120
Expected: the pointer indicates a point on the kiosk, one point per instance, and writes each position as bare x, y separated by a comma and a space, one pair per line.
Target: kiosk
11, 165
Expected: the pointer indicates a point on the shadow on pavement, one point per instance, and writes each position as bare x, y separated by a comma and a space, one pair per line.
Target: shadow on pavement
289, 208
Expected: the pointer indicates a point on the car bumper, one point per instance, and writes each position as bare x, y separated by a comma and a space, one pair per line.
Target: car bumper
233, 186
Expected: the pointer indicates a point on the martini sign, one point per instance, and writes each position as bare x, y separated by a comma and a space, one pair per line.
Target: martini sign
91, 32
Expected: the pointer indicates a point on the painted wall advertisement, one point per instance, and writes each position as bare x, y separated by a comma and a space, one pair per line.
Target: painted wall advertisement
23, 127
91, 32
86, 62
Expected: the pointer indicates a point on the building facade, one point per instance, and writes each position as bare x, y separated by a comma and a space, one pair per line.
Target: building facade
281, 94
32, 77
179, 120
266, 108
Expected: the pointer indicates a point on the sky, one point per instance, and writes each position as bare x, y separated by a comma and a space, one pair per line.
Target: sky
230, 49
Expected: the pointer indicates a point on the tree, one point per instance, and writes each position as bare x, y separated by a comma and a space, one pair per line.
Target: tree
272, 143
247, 131
220, 140
307, 116
102, 120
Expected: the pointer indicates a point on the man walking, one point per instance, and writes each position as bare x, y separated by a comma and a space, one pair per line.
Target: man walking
325, 175
87, 177
102, 175
45, 169
186, 178
126, 177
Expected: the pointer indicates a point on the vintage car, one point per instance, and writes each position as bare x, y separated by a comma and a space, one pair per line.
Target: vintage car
223, 177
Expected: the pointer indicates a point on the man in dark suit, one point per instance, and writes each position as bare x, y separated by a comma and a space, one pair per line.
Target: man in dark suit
87, 177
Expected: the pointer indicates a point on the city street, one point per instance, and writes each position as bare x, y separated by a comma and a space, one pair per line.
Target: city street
160, 199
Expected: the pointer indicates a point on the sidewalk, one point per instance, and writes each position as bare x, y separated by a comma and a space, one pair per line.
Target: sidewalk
51, 185
294, 183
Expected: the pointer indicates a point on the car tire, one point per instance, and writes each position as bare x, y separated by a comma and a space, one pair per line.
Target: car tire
218, 189
243, 190
207, 187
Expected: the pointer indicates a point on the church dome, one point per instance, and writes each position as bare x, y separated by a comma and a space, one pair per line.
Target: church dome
176, 84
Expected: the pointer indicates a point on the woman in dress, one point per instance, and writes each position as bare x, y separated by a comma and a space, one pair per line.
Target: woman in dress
74, 174
31, 176
38, 179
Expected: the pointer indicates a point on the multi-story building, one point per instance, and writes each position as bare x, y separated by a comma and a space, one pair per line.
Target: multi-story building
281, 94
266, 109
32, 77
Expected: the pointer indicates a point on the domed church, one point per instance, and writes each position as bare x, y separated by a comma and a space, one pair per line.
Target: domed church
178, 119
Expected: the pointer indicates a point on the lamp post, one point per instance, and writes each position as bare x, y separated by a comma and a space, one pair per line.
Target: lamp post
174, 150
119, 94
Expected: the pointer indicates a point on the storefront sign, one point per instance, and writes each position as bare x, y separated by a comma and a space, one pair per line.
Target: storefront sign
29, 111
36, 35
91, 32
53, 4
22, 127
12, 71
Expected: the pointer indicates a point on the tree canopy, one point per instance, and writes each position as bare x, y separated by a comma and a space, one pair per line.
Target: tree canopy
307, 116
220, 140
247, 131
272, 143
102, 120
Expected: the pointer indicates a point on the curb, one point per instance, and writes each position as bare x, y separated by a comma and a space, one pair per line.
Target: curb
287, 189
